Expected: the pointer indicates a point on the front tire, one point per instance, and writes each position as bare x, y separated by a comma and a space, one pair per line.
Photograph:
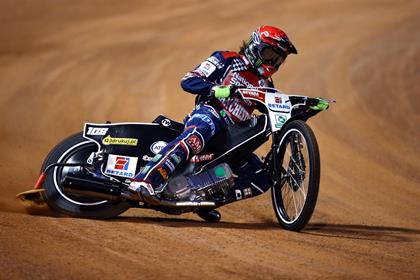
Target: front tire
75, 149
295, 194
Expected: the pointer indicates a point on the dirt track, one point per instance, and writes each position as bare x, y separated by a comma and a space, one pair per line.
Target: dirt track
66, 62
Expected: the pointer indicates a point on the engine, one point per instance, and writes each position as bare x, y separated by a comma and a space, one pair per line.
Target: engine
204, 186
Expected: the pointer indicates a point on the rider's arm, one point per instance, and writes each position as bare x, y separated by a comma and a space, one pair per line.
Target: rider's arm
201, 80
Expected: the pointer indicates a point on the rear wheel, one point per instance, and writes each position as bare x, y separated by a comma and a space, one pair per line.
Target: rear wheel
75, 149
295, 194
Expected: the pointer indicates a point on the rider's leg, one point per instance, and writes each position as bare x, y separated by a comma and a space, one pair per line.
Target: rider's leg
252, 179
200, 127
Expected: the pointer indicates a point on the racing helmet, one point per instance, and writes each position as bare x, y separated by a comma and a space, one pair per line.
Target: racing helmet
267, 49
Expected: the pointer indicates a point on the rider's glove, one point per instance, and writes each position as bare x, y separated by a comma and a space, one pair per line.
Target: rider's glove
220, 91
321, 106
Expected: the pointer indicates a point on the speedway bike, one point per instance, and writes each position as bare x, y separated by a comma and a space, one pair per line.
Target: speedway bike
87, 174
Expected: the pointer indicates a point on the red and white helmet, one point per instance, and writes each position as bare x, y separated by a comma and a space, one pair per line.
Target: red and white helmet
267, 48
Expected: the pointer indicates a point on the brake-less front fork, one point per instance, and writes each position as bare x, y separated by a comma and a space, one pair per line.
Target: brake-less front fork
276, 172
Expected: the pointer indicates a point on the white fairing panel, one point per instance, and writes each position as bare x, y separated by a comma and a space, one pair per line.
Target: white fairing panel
279, 108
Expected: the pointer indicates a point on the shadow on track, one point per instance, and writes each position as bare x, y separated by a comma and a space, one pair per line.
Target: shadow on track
363, 232
180, 223
348, 231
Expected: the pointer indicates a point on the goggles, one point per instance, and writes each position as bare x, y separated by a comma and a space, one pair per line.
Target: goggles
272, 56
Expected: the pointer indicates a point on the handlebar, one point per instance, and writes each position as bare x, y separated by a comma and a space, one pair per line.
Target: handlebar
297, 100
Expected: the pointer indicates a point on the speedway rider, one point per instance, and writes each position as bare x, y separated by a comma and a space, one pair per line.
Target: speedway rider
214, 81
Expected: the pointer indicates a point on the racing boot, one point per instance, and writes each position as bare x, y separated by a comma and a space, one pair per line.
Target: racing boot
209, 215
144, 191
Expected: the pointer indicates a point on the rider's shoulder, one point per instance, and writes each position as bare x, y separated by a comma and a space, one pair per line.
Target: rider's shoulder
229, 54
224, 55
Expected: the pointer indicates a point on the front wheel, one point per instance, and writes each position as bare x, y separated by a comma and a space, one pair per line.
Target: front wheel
295, 193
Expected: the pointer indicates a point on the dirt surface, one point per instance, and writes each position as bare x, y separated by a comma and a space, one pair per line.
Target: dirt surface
66, 62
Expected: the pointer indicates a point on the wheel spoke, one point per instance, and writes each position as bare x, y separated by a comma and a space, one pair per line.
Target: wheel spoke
282, 181
303, 194
294, 203
295, 182
296, 164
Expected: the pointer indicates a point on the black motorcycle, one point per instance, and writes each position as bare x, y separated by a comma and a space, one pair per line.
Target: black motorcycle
87, 174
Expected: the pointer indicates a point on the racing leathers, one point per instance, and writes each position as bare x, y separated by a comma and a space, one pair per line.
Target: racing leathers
210, 116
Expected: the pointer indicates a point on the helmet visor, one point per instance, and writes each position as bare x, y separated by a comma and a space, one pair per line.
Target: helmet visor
272, 56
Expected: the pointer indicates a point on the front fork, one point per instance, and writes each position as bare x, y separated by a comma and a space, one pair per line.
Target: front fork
275, 160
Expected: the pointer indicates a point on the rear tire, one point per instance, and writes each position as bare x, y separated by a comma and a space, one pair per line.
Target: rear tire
75, 149
294, 196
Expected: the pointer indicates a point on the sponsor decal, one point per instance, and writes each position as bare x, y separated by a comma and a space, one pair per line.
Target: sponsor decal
157, 146
170, 166
238, 194
253, 94
250, 93
97, 131
194, 142
145, 169
119, 141
163, 173
277, 99
121, 166
276, 106
215, 61
279, 106
279, 120
197, 73
156, 158
206, 68
238, 111
122, 163
247, 192
206, 119
166, 122
201, 158
177, 159
239, 80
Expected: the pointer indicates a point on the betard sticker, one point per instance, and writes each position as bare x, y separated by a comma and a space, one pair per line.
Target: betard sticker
121, 166
119, 141
207, 68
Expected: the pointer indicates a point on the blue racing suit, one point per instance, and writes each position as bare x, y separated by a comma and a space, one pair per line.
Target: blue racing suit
208, 118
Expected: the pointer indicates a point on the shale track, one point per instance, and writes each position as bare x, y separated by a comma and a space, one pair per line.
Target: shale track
66, 62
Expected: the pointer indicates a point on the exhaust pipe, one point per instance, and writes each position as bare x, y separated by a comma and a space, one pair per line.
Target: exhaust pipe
97, 188
170, 203
109, 190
